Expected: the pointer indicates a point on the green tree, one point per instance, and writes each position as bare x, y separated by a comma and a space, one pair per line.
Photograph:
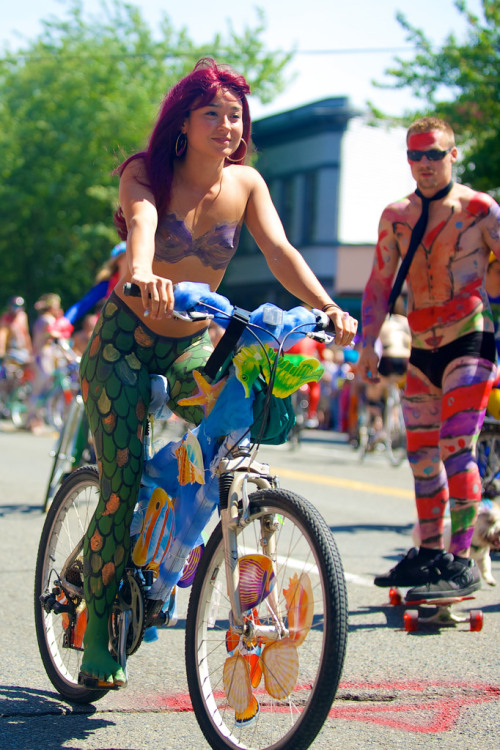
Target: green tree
73, 104
461, 83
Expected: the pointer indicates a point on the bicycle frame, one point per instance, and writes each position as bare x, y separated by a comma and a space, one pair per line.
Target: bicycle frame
270, 573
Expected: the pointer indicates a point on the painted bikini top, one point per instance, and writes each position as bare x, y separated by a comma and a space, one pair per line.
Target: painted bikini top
214, 248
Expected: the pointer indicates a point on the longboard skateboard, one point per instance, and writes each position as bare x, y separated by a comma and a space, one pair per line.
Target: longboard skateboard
443, 616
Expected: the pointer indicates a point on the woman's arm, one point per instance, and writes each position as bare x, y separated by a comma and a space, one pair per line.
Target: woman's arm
139, 208
285, 262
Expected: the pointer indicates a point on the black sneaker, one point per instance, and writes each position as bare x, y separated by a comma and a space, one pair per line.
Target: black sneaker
412, 570
450, 577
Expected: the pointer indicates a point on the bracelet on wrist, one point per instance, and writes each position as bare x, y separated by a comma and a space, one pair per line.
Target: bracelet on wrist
328, 306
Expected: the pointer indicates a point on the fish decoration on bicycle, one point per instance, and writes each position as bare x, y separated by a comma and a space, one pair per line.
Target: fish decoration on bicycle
189, 570
257, 580
155, 531
251, 361
277, 661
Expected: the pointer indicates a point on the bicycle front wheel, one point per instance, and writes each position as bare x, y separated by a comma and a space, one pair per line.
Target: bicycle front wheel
258, 692
66, 453
60, 634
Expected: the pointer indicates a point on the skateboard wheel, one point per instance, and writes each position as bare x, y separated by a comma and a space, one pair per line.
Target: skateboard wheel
395, 597
476, 620
410, 618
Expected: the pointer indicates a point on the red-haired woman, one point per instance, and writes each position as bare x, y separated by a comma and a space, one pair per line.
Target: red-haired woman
182, 205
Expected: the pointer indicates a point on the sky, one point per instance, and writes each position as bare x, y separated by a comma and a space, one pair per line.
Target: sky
338, 43
338, 54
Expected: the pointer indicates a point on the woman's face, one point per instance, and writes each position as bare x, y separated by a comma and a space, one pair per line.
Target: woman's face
216, 129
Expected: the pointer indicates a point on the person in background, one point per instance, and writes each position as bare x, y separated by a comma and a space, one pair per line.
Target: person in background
310, 348
81, 338
492, 286
15, 339
452, 363
106, 280
44, 357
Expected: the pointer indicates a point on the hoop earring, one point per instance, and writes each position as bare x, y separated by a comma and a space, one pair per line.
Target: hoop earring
241, 157
181, 144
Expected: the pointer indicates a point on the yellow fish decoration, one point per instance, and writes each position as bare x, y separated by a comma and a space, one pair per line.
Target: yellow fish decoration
290, 375
150, 537
190, 460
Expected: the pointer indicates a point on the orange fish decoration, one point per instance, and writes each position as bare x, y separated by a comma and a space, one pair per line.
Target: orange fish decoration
257, 579
156, 528
190, 460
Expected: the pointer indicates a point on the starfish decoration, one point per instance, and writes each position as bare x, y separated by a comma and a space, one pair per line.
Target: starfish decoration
206, 395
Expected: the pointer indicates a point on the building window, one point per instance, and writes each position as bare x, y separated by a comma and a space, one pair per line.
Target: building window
287, 204
310, 204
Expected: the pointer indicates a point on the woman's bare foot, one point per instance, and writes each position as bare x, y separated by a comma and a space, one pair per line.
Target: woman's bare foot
100, 670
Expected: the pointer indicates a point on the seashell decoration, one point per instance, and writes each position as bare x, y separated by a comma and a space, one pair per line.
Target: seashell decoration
236, 680
280, 662
300, 607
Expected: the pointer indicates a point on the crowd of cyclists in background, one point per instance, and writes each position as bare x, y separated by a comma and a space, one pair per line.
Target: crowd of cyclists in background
34, 356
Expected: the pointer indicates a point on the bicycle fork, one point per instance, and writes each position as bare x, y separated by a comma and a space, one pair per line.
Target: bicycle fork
235, 514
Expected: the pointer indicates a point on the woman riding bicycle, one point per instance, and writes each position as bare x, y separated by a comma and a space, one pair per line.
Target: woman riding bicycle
182, 204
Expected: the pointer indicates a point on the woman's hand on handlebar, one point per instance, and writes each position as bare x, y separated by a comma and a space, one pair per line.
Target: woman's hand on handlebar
157, 294
345, 325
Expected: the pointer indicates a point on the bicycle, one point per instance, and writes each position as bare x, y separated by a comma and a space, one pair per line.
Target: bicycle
73, 448
266, 624
391, 438
16, 378
488, 457
65, 385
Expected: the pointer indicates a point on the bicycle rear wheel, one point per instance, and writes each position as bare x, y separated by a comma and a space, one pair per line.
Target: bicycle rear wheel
488, 457
292, 698
59, 637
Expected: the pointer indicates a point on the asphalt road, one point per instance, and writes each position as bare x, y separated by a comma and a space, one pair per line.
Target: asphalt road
431, 689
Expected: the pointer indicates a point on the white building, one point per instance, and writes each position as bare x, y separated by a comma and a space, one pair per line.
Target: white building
330, 175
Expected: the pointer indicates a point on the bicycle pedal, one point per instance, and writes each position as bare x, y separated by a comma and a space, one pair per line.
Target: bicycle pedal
93, 683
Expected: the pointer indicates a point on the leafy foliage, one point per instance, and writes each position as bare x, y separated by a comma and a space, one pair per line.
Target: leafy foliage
461, 83
75, 102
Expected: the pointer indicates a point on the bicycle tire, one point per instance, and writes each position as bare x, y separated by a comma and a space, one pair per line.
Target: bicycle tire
488, 457
65, 458
65, 524
363, 431
295, 720
395, 430
56, 408
18, 405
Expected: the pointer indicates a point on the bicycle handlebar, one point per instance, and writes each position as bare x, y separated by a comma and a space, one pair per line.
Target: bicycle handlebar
291, 324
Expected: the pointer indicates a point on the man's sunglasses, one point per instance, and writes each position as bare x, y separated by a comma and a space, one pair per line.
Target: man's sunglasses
434, 154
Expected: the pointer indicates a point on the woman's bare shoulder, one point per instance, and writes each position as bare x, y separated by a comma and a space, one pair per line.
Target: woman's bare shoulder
135, 169
245, 175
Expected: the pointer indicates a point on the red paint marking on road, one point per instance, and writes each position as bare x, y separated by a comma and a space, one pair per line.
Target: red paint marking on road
426, 715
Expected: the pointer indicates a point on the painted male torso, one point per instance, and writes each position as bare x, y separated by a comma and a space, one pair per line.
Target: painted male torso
445, 281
